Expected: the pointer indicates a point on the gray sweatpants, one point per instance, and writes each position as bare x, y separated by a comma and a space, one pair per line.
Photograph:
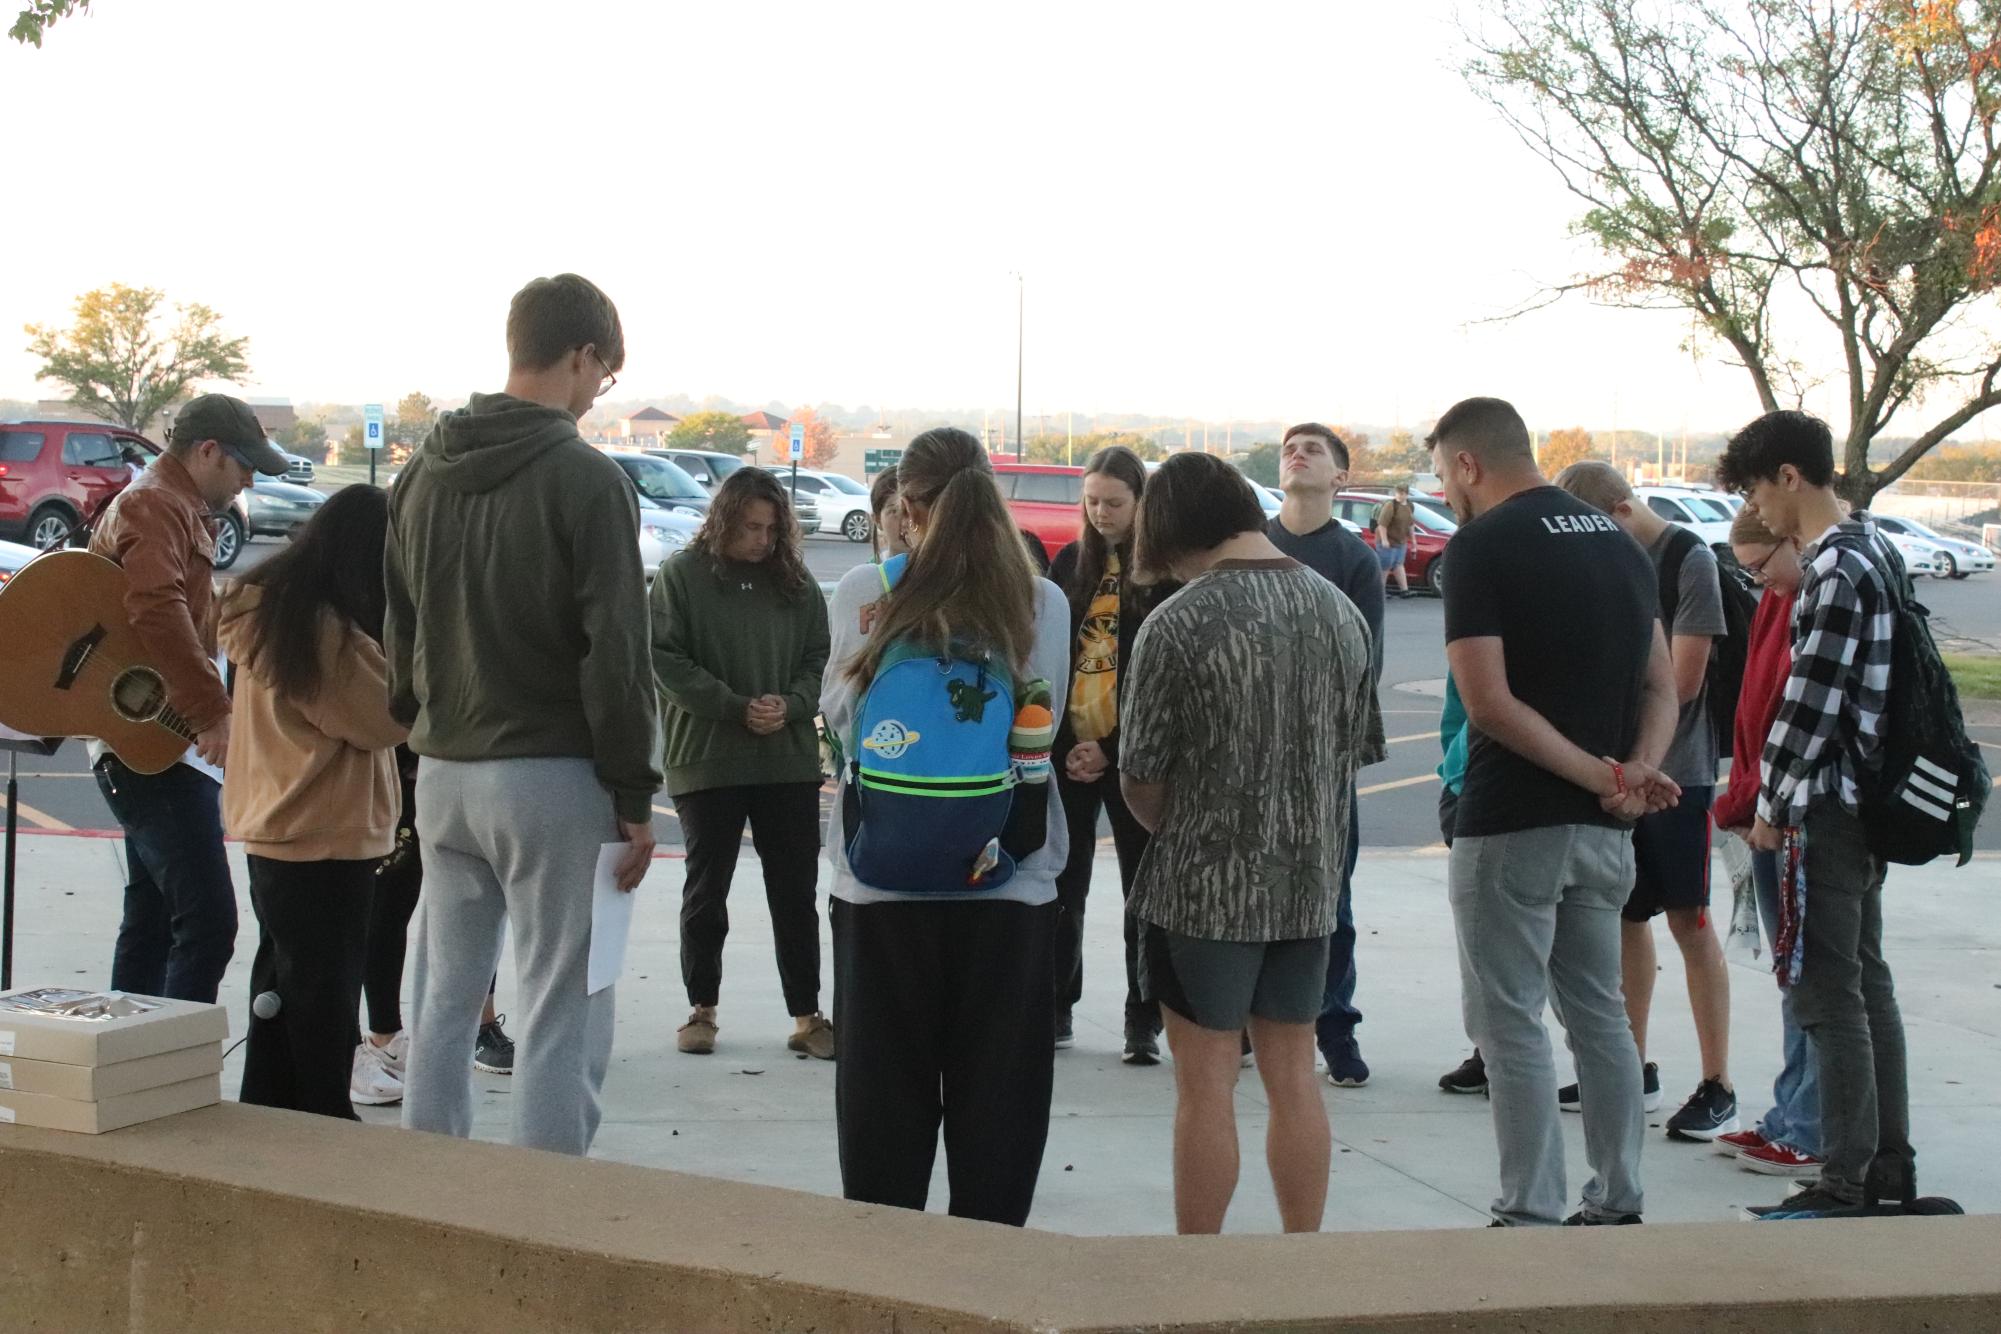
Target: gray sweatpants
1537, 914
510, 841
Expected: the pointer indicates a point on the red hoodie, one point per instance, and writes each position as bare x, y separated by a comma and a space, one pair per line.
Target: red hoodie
1768, 660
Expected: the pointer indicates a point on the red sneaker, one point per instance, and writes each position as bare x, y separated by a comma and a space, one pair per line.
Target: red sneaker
1776, 1160
1737, 1141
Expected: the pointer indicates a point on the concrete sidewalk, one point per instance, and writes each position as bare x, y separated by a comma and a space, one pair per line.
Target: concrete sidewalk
1406, 1155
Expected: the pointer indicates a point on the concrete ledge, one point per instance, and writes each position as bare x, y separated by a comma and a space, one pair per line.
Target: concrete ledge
243, 1219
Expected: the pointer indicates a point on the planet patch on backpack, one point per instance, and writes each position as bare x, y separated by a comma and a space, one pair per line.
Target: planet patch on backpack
890, 739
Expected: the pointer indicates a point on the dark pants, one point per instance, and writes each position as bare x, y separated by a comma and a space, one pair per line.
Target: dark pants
942, 1015
1338, 1015
785, 829
399, 882
179, 928
312, 920
1081, 803
1847, 1005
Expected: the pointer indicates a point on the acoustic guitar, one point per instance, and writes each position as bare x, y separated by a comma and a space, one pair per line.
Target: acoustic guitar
70, 664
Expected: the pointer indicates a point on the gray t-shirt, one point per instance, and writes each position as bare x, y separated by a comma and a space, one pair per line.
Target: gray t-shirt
1250, 696
1691, 759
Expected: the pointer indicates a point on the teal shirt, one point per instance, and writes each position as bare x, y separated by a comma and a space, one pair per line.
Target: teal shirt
1452, 729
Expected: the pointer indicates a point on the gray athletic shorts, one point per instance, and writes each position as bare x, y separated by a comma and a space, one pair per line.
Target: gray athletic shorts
1220, 984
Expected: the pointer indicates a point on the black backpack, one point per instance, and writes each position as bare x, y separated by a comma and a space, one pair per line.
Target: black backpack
1929, 786
1729, 651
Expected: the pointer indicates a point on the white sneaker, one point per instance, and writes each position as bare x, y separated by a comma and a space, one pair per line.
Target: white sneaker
371, 1084
395, 1054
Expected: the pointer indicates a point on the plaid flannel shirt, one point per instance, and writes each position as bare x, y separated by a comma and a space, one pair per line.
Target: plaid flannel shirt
1831, 716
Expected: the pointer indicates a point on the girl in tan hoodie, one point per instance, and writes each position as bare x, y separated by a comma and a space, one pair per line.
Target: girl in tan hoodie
311, 789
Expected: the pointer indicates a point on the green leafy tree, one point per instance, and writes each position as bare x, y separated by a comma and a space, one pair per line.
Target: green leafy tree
124, 363
307, 436
1404, 453
1812, 183
40, 16
415, 414
1049, 447
1261, 464
717, 432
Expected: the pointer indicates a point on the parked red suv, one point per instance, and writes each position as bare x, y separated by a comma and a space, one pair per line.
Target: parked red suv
1432, 527
1046, 500
54, 475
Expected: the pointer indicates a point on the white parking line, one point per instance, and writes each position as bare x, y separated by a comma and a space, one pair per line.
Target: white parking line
1374, 788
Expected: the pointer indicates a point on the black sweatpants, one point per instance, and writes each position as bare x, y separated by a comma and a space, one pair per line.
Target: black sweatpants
942, 1015
312, 920
1081, 803
785, 829
399, 881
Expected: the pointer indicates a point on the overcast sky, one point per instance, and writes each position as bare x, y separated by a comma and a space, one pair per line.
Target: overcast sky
1241, 211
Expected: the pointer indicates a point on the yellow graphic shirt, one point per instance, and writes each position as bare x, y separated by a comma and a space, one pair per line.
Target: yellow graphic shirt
1094, 694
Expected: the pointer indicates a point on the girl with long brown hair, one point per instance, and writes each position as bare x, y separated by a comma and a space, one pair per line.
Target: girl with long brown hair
1106, 609
943, 992
739, 647
312, 791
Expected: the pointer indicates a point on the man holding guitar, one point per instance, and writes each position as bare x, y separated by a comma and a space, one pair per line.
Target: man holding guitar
179, 928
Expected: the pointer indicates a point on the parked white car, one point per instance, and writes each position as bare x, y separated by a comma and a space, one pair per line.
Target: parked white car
662, 532
842, 501
1701, 512
1955, 559
12, 557
1920, 556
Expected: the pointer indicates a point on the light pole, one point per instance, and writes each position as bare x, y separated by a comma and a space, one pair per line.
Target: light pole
1018, 304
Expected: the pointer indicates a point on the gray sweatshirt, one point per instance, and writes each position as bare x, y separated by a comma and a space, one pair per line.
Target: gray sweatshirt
1034, 880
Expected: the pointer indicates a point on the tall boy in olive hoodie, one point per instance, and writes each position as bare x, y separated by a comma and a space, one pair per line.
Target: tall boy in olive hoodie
739, 647
516, 638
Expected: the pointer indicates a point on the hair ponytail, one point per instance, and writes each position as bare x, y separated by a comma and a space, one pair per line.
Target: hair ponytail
968, 584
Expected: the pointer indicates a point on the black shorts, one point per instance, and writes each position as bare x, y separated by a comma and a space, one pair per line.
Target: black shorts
1671, 857
1220, 984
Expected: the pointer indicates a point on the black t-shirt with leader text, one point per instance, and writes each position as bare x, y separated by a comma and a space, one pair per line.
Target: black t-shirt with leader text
1572, 599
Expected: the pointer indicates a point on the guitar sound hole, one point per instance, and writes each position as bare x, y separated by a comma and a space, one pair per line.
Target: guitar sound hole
138, 694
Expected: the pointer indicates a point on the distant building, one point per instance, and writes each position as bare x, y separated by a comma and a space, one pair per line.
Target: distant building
648, 428
273, 414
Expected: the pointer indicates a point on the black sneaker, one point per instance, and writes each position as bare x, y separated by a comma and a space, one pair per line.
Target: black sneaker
1582, 1219
1710, 1111
1066, 1033
1142, 1043
1650, 1092
1813, 1202
1470, 1077
494, 1052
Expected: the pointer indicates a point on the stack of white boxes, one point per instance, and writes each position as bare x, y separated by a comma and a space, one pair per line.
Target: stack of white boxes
98, 1061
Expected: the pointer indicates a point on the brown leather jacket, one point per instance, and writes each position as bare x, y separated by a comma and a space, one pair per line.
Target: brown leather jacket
159, 529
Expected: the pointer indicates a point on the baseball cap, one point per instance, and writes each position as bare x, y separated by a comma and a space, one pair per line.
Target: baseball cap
230, 423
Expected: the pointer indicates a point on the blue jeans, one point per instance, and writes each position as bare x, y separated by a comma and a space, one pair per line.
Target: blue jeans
1338, 1015
179, 928
1794, 1120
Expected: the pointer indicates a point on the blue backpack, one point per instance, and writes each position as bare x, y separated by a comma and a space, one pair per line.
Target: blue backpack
929, 802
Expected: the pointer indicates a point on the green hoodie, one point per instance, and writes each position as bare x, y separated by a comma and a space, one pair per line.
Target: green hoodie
517, 603
724, 634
